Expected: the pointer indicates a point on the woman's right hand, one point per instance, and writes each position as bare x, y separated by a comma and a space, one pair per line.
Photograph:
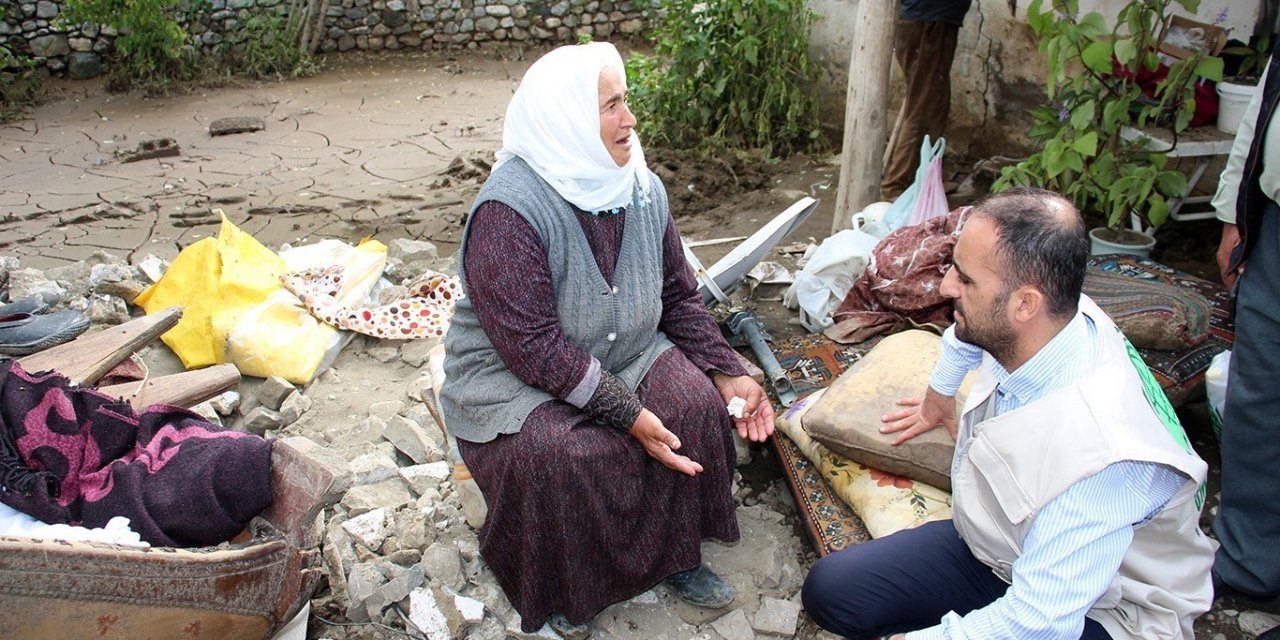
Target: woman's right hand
662, 444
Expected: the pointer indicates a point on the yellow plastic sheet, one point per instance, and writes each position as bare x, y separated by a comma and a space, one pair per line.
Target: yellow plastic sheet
235, 309
215, 281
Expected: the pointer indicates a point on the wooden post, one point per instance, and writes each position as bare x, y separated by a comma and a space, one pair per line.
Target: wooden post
866, 104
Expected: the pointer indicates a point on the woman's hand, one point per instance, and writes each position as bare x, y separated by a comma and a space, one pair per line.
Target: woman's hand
661, 444
756, 423
1230, 238
925, 414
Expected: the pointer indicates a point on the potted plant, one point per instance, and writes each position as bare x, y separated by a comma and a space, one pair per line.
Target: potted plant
1235, 92
1096, 96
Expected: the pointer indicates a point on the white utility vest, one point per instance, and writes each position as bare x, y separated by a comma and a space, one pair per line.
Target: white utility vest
1007, 467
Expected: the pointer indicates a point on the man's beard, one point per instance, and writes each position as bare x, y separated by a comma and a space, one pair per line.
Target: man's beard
994, 334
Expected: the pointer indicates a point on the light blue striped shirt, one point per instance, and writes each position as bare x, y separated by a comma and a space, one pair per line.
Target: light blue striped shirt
1075, 545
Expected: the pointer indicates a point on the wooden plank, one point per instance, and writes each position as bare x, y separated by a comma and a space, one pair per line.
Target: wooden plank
184, 389
90, 356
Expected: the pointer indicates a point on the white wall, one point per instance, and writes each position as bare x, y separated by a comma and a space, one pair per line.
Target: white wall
998, 73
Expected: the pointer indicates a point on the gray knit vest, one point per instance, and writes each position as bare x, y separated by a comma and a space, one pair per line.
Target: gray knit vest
481, 398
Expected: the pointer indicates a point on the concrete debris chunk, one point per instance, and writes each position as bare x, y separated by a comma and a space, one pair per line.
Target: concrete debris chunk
474, 508
261, 420
153, 267
24, 283
395, 590
426, 615
339, 556
372, 467
472, 610
776, 617
236, 124
412, 440
443, 565
116, 280
205, 410
734, 626
362, 583
226, 403
383, 354
107, 310
544, 633
294, 405
368, 430
411, 530
273, 392
422, 477
150, 150
414, 352
369, 529
389, 494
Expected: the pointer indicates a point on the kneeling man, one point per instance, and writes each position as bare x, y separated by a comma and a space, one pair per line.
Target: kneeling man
1076, 495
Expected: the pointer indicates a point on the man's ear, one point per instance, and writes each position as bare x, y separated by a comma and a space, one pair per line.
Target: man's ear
1028, 303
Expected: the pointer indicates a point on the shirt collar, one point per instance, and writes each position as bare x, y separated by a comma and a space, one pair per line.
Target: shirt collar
1031, 380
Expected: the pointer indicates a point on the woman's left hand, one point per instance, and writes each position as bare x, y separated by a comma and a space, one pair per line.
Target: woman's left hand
756, 423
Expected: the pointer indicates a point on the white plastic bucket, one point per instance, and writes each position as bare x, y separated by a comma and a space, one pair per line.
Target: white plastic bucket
1233, 99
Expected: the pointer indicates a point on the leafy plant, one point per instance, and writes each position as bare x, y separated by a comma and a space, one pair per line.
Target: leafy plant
727, 73
19, 85
268, 48
1094, 94
1252, 59
152, 45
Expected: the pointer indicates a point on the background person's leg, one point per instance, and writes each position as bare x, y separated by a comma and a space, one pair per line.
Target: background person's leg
925, 51
1248, 521
898, 583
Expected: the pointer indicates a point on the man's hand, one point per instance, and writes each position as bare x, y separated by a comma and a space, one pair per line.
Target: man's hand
1230, 238
661, 444
923, 415
756, 423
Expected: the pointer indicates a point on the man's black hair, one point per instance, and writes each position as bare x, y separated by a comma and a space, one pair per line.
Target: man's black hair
1041, 242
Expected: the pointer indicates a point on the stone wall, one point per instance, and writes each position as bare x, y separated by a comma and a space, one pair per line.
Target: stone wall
81, 51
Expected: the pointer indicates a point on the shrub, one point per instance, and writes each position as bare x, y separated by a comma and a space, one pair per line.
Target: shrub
152, 47
727, 73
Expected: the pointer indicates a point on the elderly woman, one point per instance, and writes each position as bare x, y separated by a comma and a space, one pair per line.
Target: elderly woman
586, 383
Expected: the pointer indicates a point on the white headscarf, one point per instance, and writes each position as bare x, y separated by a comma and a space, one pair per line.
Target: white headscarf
553, 123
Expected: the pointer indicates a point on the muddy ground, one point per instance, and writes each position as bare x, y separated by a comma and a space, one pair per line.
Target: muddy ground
396, 147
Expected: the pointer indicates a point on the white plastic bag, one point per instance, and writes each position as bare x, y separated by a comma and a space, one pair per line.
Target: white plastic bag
827, 277
926, 197
1215, 387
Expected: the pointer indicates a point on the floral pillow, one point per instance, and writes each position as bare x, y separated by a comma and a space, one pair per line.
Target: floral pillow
886, 503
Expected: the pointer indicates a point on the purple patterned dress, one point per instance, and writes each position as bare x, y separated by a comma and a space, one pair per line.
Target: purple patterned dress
580, 517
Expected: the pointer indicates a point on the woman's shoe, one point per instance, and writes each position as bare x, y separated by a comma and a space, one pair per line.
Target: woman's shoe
702, 587
568, 630
24, 333
30, 304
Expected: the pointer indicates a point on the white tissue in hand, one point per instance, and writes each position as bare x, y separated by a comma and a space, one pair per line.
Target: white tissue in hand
735, 406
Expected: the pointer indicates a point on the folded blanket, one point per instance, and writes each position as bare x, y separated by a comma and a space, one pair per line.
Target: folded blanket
76, 456
1150, 313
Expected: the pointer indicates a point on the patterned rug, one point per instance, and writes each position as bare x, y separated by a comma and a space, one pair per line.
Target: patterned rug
813, 362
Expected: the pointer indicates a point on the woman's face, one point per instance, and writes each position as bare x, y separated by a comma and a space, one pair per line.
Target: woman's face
616, 121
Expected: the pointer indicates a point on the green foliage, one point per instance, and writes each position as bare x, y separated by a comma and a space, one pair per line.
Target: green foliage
268, 48
152, 48
1252, 59
1081, 152
19, 86
727, 73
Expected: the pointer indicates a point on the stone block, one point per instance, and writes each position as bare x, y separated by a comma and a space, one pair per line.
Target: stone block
415, 352
471, 610
734, 626
273, 392
236, 124
443, 565
386, 409
261, 420
390, 494
108, 310
412, 440
294, 405
396, 589
205, 410
776, 617
339, 557
373, 467
362, 583
116, 280
369, 529
412, 531
28, 282
368, 430
430, 619
226, 402
424, 477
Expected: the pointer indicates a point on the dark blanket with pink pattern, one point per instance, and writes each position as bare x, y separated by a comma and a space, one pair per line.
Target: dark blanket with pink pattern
76, 456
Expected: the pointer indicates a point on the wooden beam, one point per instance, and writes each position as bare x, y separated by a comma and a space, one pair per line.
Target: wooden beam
90, 356
866, 105
185, 389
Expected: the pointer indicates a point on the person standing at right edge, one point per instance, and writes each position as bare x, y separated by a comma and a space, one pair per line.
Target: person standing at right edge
1248, 520
924, 42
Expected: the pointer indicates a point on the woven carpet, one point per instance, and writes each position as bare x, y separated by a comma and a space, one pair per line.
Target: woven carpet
813, 362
